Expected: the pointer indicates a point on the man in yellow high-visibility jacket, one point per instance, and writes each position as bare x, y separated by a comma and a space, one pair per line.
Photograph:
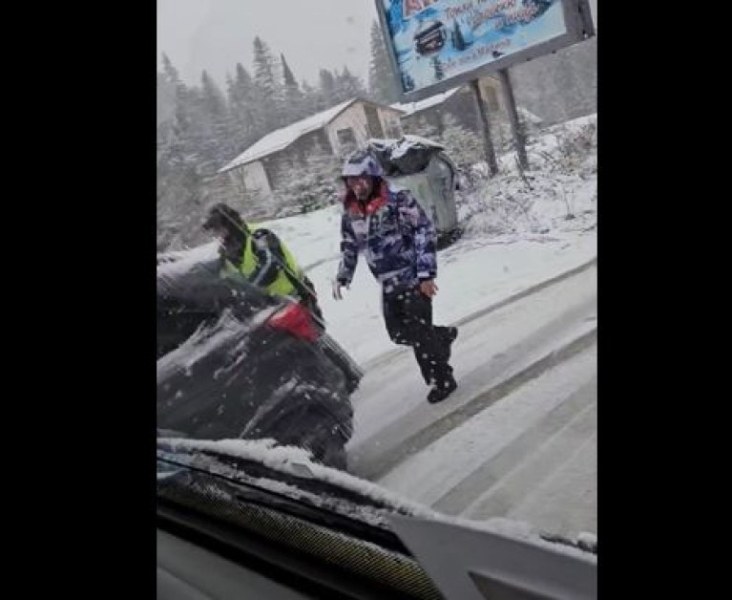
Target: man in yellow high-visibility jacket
260, 256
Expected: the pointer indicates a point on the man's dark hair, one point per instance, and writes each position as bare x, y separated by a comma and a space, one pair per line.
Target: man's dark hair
222, 216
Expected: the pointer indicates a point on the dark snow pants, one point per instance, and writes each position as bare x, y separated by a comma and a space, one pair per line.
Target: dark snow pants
408, 316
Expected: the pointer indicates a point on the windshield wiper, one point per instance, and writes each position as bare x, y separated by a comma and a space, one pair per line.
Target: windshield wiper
249, 482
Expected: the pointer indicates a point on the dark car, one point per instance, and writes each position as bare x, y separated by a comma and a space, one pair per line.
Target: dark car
430, 37
235, 362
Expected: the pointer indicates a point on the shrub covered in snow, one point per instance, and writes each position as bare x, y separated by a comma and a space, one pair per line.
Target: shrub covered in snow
568, 148
557, 193
463, 146
309, 186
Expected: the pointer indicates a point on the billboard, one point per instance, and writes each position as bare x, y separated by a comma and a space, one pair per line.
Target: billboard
434, 45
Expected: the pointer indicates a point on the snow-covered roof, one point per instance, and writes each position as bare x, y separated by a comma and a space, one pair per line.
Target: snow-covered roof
281, 138
528, 115
412, 107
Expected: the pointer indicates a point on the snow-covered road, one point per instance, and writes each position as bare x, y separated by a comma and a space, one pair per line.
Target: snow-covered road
518, 431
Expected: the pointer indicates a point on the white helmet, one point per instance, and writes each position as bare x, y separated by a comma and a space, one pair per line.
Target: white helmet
362, 162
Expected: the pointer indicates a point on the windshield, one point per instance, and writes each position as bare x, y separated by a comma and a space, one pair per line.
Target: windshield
377, 278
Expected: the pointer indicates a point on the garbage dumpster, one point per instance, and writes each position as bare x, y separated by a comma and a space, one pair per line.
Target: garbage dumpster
421, 166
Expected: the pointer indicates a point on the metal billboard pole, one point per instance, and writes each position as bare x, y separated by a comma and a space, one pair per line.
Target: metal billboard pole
490, 153
518, 132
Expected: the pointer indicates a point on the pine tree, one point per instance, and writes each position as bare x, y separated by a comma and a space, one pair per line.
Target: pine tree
213, 123
213, 99
191, 147
176, 130
310, 99
165, 100
173, 84
383, 86
327, 82
169, 71
231, 101
267, 90
246, 127
294, 99
179, 185
327, 92
348, 86
231, 92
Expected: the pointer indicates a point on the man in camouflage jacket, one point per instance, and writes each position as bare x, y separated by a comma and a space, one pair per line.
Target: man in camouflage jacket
398, 239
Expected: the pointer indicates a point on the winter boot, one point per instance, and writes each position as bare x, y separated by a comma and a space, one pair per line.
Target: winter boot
441, 390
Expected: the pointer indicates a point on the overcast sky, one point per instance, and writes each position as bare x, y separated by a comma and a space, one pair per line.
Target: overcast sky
312, 34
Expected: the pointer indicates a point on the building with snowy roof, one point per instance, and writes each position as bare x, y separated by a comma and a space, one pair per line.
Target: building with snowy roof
460, 103
263, 167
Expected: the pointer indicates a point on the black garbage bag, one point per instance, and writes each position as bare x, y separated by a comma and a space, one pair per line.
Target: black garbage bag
407, 155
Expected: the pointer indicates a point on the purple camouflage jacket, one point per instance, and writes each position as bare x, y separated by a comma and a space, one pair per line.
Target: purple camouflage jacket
394, 233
